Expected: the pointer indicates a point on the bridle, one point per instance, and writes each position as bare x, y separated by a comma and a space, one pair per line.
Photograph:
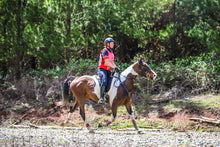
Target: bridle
143, 71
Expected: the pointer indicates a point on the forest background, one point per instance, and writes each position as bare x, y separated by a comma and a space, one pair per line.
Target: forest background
44, 41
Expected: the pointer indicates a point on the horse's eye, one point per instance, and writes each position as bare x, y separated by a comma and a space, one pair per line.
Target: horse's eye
146, 69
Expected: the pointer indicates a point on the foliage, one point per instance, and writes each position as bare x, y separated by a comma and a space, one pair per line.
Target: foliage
192, 74
42, 34
55, 39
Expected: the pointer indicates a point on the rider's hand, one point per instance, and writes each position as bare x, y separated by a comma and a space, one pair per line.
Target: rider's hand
117, 70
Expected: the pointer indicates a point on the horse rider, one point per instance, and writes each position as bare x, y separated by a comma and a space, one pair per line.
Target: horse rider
106, 61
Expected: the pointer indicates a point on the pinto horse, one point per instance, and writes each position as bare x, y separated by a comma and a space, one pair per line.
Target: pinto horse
87, 87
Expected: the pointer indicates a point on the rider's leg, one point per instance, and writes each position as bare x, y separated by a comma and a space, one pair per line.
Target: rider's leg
104, 80
102, 94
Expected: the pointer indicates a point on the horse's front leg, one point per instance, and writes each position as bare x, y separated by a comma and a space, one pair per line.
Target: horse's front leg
114, 113
82, 113
129, 109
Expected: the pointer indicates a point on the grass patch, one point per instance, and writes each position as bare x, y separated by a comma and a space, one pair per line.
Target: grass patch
175, 106
208, 101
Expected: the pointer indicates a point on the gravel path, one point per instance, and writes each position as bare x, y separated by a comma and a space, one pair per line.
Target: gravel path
66, 136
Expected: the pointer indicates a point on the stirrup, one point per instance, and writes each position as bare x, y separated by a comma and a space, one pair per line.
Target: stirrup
101, 101
107, 98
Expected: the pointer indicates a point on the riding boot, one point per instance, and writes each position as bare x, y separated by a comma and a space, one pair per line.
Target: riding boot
102, 93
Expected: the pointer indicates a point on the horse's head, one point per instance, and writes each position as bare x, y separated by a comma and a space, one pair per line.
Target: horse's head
143, 69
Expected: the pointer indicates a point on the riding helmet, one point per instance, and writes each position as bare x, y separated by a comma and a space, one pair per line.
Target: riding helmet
108, 40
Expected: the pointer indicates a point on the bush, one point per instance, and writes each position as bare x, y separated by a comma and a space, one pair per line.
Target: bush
186, 76
179, 77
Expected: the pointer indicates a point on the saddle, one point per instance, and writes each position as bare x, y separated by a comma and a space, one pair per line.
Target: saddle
107, 88
117, 83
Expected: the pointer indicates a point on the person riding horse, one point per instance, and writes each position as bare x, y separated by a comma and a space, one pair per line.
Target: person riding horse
87, 87
106, 61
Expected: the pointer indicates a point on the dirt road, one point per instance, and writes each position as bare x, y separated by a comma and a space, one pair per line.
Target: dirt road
66, 136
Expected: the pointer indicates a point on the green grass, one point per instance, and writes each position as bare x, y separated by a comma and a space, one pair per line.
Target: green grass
175, 105
208, 101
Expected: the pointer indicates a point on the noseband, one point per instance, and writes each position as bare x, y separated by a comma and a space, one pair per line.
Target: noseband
142, 72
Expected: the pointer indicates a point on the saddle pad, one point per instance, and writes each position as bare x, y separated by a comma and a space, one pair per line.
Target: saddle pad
109, 83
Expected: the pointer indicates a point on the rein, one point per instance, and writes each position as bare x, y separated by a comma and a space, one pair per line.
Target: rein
125, 87
142, 72
128, 77
118, 77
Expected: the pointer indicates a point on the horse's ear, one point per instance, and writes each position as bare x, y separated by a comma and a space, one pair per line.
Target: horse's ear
141, 59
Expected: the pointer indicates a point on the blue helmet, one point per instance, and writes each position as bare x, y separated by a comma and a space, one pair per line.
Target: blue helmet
108, 40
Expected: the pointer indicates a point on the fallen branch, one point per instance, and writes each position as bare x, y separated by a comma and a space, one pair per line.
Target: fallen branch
19, 120
33, 126
75, 124
158, 101
44, 127
206, 120
18, 126
23, 116
54, 110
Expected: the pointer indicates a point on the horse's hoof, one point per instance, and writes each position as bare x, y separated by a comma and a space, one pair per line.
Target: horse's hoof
140, 132
101, 101
91, 131
100, 125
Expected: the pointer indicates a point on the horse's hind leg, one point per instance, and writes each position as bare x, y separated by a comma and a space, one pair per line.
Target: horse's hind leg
82, 113
129, 109
114, 114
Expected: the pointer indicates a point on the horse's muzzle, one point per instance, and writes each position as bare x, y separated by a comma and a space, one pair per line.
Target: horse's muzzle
154, 76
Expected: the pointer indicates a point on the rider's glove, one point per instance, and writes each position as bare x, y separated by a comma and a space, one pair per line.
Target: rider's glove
117, 70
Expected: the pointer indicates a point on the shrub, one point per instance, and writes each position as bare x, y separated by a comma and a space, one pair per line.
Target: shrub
191, 75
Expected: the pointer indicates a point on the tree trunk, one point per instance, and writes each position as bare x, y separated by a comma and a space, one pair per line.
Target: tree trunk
18, 44
68, 29
68, 21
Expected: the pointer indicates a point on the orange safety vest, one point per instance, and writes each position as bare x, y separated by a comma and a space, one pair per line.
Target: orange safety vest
102, 61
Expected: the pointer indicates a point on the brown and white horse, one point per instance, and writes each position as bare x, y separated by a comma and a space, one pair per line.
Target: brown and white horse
87, 87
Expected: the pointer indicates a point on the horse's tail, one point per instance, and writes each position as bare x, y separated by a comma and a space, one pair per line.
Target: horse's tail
67, 95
